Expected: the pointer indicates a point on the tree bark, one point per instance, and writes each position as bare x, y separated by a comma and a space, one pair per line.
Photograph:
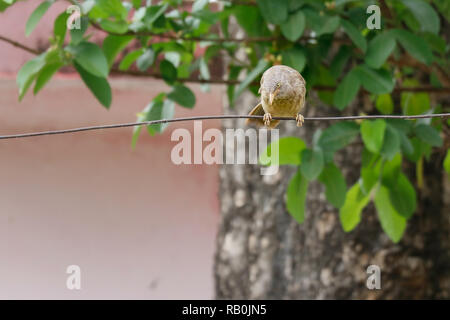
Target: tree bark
263, 253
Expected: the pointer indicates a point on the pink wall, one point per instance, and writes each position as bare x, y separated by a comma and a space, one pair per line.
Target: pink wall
137, 225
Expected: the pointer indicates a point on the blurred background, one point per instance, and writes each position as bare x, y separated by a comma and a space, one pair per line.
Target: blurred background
138, 226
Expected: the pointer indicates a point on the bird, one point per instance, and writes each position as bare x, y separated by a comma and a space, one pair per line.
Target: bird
283, 92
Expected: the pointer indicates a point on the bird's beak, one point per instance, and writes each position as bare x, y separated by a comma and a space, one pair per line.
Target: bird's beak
272, 96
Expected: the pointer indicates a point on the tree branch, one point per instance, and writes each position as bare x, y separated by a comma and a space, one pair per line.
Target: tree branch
223, 81
19, 45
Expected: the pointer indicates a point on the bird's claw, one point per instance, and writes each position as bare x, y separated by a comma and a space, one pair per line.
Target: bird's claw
266, 119
300, 120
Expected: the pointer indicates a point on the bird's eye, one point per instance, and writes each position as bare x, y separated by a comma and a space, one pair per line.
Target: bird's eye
278, 85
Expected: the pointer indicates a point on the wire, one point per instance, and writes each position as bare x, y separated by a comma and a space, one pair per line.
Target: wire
133, 124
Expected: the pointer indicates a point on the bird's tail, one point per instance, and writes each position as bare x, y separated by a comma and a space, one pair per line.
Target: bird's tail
259, 111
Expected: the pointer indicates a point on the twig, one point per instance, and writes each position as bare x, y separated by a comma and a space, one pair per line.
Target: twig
19, 45
133, 124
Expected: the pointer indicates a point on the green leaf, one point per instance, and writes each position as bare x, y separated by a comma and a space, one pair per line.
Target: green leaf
4, 4
113, 44
275, 12
296, 197
233, 74
182, 95
146, 60
45, 75
368, 158
402, 125
60, 27
340, 61
112, 8
335, 186
131, 57
350, 212
391, 221
199, 5
251, 20
289, 151
375, 81
294, 26
158, 110
136, 3
425, 15
403, 196
324, 77
319, 22
99, 86
384, 103
91, 57
87, 6
391, 170
260, 67
295, 58
414, 103
154, 13
372, 133
329, 24
414, 45
405, 144
379, 49
444, 8
447, 162
369, 178
354, 34
391, 143
294, 5
136, 133
428, 134
312, 163
436, 42
28, 73
119, 27
174, 57
168, 71
419, 148
338, 136
347, 90
36, 16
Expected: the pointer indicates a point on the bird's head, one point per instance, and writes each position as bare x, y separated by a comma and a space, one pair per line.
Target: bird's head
281, 83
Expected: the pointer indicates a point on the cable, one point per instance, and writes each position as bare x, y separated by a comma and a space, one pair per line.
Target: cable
133, 124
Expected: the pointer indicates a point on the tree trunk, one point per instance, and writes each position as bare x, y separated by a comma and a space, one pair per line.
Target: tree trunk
263, 253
